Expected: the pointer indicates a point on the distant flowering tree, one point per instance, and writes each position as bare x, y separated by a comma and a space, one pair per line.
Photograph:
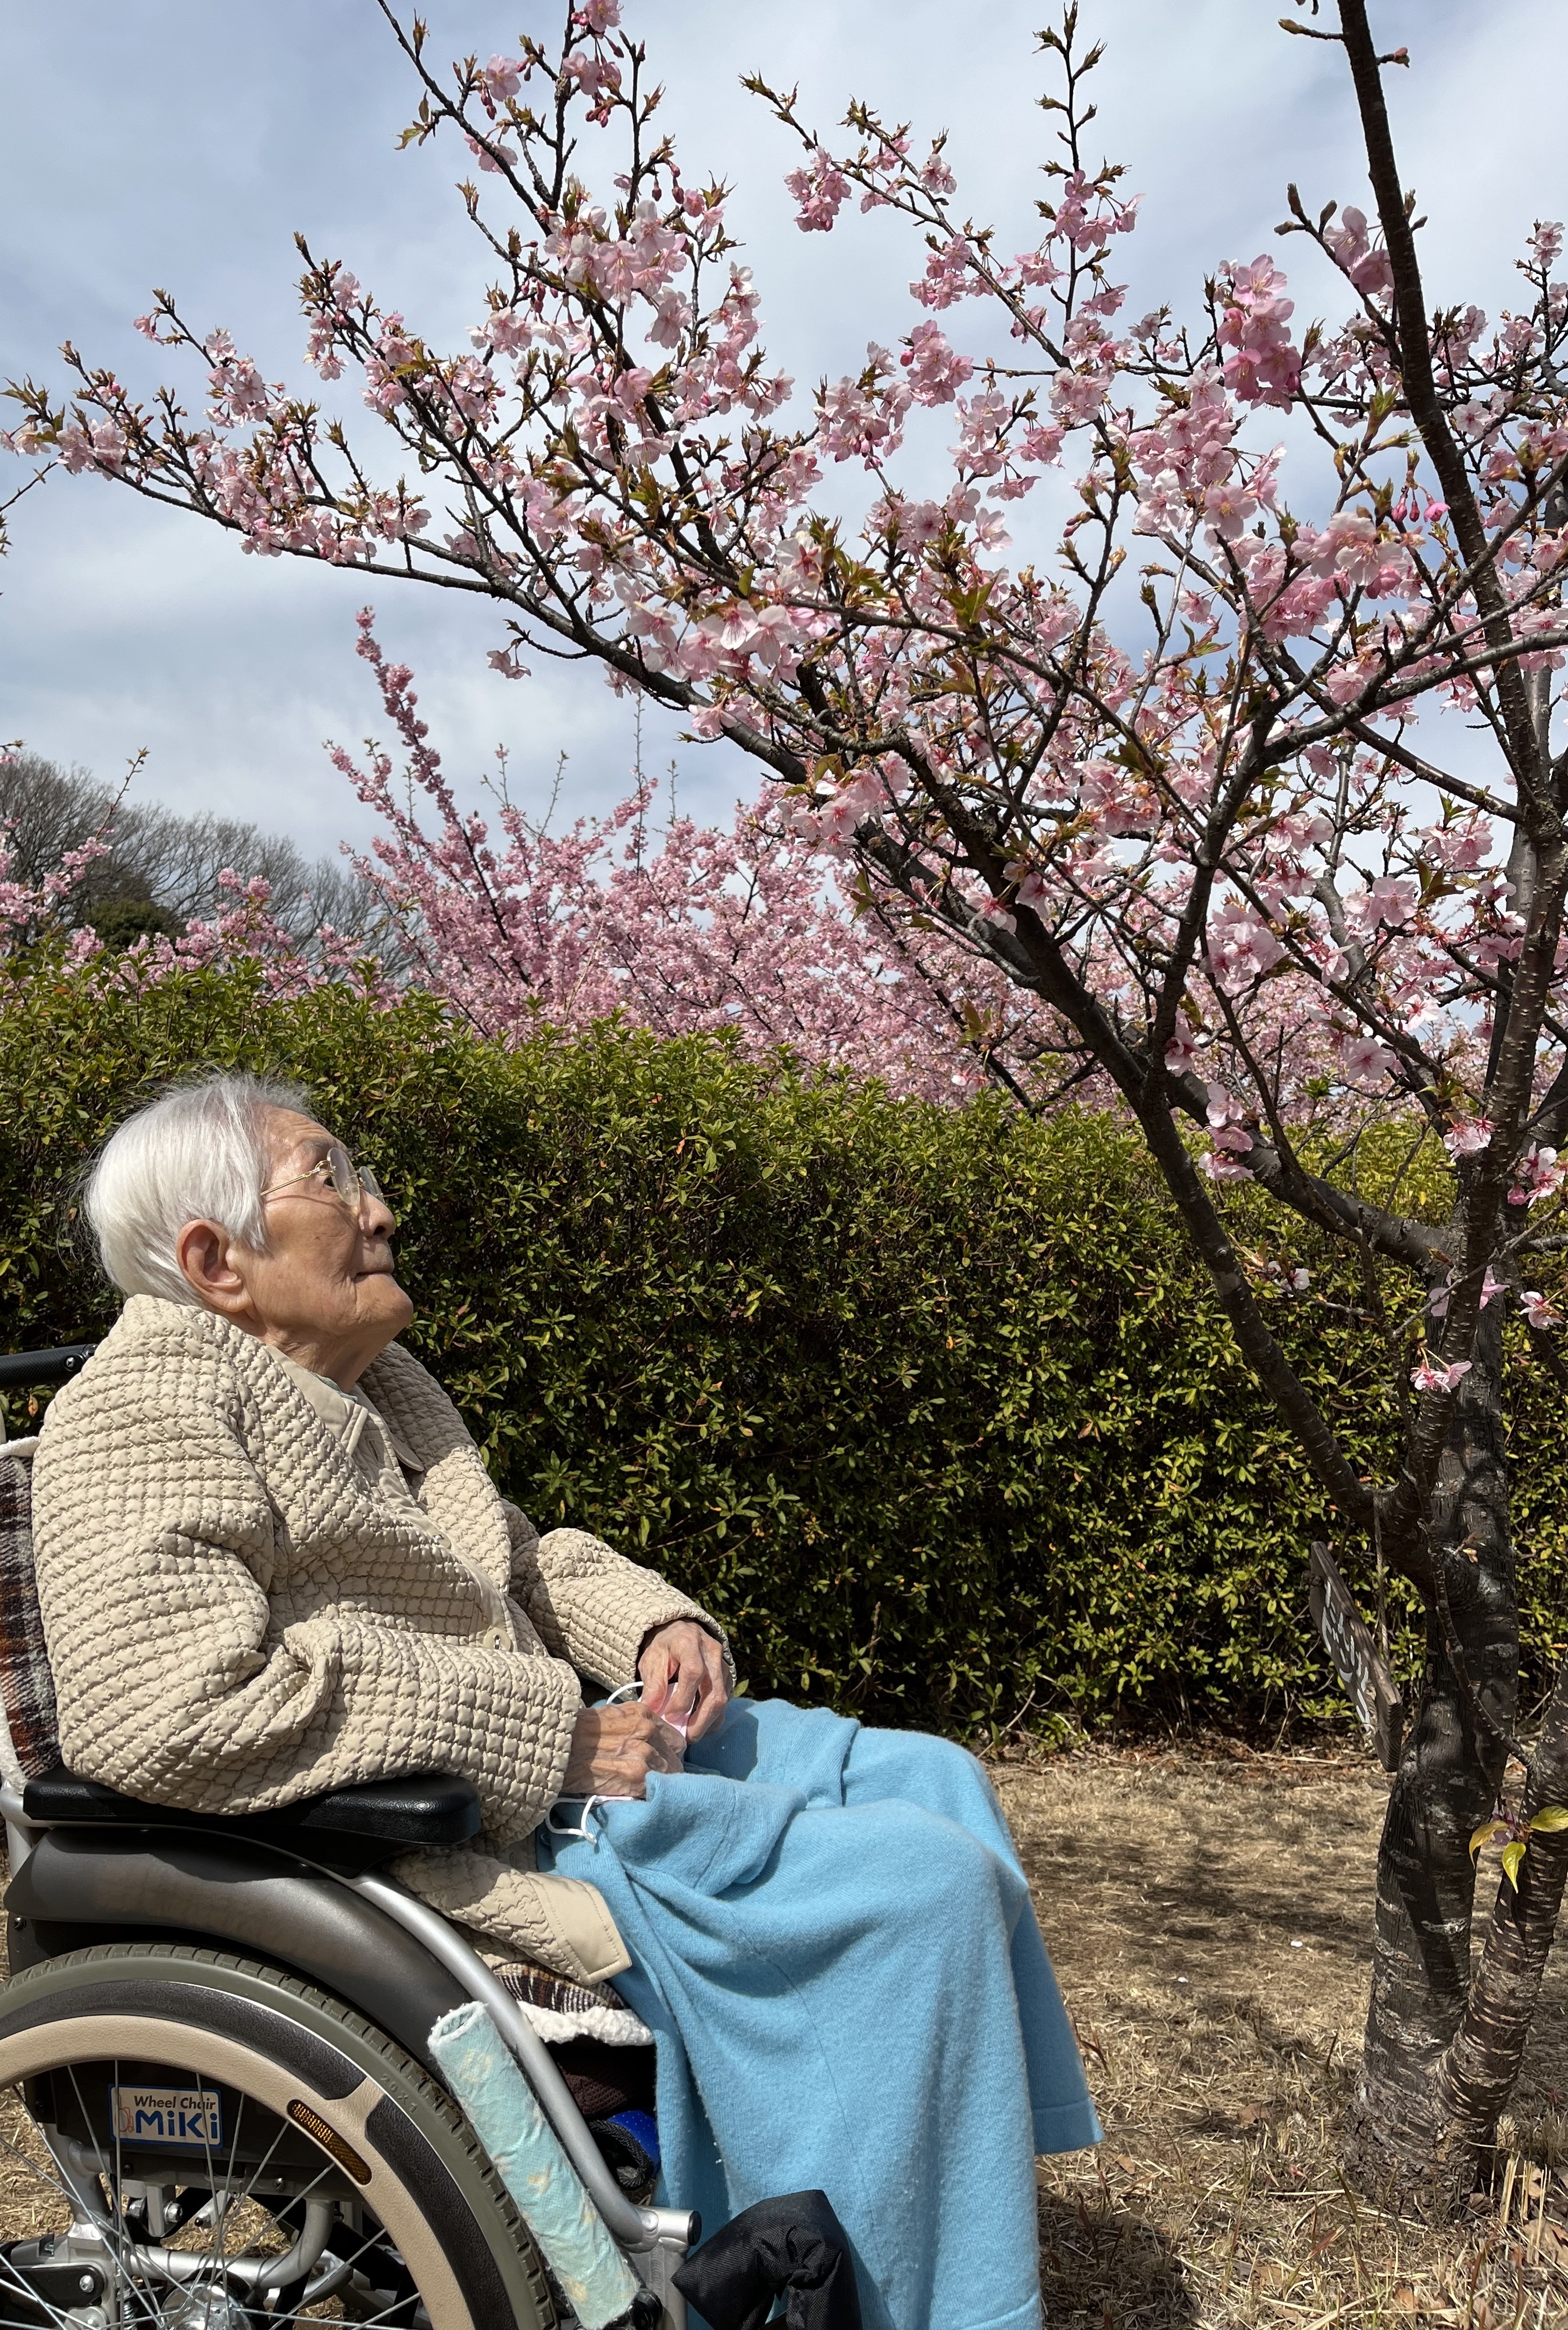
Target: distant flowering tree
29, 908
1163, 777
43, 908
695, 930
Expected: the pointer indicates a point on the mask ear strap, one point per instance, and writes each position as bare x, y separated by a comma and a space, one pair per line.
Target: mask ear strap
681, 1723
625, 1691
584, 1831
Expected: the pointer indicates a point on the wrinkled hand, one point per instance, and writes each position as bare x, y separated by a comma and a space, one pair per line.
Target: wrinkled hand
683, 1677
614, 1750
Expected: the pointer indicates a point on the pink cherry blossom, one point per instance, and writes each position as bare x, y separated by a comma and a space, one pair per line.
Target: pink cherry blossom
936, 372
1385, 903
1366, 264
503, 77
596, 76
1182, 1049
493, 153
1229, 507
1223, 1160
1263, 367
708, 930
1469, 1136
951, 271
1536, 1175
1241, 946
819, 191
1163, 509
1367, 1063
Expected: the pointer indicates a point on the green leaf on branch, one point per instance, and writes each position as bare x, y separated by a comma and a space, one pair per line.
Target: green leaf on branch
1485, 1833
1513, 1854
1550, 1819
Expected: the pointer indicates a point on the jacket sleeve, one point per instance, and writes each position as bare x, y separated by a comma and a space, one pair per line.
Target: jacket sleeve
591, 1605
154, 1545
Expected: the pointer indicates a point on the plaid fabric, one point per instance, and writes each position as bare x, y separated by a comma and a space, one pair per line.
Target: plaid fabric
26, 1685
563, 2011
535, 1986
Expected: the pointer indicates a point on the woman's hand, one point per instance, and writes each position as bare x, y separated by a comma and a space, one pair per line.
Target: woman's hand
683, 1677
614, 1750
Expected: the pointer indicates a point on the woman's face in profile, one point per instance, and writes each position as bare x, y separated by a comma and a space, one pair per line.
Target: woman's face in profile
326, 1273
322, 1288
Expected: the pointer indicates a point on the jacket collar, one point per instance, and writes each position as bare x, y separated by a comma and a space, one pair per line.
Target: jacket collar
460, 1499
344, 1414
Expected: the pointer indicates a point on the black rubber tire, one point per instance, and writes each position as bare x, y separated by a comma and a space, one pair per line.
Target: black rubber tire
267, 2034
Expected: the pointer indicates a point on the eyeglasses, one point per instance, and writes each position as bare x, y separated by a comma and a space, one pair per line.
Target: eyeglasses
338, 1171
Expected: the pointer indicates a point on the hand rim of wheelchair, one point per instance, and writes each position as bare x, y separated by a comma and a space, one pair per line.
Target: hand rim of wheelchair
359, 2125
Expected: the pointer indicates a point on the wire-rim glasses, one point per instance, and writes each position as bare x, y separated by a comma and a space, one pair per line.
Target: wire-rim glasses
338, 1171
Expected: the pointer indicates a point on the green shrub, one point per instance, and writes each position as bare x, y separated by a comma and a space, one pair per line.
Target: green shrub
931, 1405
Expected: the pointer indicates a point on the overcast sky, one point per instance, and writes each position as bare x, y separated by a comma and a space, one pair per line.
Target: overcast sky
181, 142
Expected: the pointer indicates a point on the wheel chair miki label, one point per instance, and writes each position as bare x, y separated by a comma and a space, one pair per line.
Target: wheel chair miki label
192, 2117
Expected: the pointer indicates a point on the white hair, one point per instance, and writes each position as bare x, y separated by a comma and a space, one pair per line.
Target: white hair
197, 1153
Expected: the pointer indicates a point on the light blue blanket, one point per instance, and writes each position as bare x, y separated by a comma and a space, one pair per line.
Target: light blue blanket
841, 1967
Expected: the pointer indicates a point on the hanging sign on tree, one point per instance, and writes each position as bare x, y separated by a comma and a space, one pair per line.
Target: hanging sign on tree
1362, 1667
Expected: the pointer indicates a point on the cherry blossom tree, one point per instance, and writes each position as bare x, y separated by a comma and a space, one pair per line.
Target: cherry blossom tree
44, 906
28, 908
693, 931
1163, 777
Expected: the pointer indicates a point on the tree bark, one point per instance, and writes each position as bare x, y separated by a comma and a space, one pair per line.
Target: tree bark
1403, 2142
1478, 2078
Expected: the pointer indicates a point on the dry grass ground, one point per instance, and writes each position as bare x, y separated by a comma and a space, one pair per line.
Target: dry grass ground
1209, 1916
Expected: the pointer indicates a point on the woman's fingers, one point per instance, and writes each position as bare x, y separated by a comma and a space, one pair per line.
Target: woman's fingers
656, 1668
664, 1666
683, 1675
686, 1682
614, 1750
665, 1746
711, 1696
643, 1740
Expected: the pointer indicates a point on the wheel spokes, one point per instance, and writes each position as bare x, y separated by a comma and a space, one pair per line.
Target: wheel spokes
154, 2285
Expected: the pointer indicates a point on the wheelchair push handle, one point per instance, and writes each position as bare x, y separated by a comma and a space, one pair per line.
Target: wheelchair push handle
21, 1370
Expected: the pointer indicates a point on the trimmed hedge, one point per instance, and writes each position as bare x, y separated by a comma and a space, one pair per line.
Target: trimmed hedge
931, 1405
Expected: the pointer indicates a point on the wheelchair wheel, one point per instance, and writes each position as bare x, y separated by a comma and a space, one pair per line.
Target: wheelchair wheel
192, 2142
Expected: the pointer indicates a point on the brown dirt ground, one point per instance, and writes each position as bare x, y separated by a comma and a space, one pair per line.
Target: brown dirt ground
1209, 1916
1208, 1913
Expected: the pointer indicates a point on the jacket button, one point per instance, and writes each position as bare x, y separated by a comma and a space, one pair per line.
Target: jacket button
500, 1640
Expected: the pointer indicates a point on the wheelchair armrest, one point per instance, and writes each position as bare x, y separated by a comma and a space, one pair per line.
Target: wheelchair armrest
352, 1827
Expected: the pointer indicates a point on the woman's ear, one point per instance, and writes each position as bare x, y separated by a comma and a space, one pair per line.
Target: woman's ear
205, 1253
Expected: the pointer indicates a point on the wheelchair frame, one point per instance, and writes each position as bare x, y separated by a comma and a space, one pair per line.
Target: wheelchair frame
145, 1871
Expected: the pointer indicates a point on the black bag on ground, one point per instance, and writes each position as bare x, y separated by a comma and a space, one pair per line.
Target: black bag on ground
793, 2245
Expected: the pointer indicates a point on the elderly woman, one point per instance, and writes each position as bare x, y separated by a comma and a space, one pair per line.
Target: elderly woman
271, 1562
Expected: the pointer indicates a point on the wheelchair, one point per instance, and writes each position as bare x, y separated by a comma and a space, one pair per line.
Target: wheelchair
218, 2109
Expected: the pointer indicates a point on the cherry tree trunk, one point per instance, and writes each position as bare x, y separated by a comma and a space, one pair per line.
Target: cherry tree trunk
1406, 2140
1483, 2064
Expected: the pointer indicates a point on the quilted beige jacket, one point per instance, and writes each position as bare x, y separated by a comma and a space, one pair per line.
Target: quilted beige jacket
236, 1617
